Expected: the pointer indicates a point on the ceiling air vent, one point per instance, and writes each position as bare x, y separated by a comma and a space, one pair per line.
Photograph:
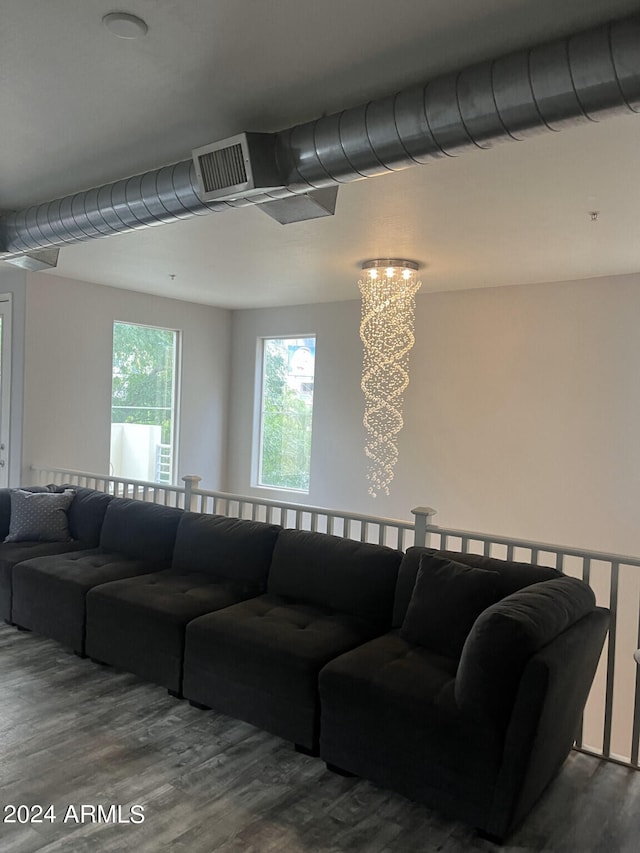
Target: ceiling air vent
237, 167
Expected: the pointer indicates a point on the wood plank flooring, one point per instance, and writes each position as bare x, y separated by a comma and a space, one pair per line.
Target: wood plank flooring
74, 733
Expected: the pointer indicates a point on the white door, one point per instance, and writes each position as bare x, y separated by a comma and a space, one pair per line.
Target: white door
5, 385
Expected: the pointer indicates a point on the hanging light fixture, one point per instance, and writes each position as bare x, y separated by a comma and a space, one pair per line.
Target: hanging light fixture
388, 289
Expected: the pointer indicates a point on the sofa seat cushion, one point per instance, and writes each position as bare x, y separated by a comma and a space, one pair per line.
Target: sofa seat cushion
389, 714
259, 661
49, 592
138, 623
15, 552
177, 597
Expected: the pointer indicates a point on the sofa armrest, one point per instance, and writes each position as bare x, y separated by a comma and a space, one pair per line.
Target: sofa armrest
551, 697
506, 636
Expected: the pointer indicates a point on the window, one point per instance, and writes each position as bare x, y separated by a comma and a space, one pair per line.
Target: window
143, 402
286, 412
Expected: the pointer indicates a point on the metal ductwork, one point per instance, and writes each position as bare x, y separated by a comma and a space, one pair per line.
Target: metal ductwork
570, 81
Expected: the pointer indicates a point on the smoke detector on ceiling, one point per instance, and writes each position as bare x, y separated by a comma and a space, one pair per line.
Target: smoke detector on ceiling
125, 26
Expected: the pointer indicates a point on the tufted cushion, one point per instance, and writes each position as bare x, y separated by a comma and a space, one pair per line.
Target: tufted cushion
447, 599
171, 596
394, 670
276, 645
39, 516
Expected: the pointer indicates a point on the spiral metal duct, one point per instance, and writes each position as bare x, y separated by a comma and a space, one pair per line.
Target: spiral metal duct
570, 81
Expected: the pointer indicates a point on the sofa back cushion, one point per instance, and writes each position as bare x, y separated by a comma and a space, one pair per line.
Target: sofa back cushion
229, 548
351, 577
143, 531
513, 575
86, 515
447, 599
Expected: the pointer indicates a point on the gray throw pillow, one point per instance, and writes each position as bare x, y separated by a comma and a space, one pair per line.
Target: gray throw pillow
447, 599
39, 516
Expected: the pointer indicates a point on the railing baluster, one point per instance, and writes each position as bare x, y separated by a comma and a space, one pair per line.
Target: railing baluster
635, 732
487, 548
611, 658
510, 552
560, 561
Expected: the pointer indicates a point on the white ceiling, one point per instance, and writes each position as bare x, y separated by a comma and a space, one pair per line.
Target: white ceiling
80, 107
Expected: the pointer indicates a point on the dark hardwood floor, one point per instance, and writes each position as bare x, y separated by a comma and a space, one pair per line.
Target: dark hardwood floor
73, 733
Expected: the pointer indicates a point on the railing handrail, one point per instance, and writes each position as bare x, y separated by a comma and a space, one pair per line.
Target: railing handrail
295, 507
91, 475
545, 547
230, 496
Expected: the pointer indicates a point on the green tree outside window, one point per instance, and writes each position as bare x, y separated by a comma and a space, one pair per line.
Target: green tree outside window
287, 410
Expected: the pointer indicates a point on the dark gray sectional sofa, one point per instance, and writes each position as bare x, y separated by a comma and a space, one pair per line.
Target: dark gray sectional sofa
454, 679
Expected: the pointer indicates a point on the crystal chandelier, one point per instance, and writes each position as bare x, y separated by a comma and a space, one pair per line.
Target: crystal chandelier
388, 289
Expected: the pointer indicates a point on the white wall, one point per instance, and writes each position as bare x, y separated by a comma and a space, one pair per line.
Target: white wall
522, 416
67, 405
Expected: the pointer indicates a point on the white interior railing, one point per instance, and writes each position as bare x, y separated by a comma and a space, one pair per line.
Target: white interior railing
351, 525
611, 723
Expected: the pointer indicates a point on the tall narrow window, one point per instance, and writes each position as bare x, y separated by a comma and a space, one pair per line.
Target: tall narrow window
288, 366
143, 402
